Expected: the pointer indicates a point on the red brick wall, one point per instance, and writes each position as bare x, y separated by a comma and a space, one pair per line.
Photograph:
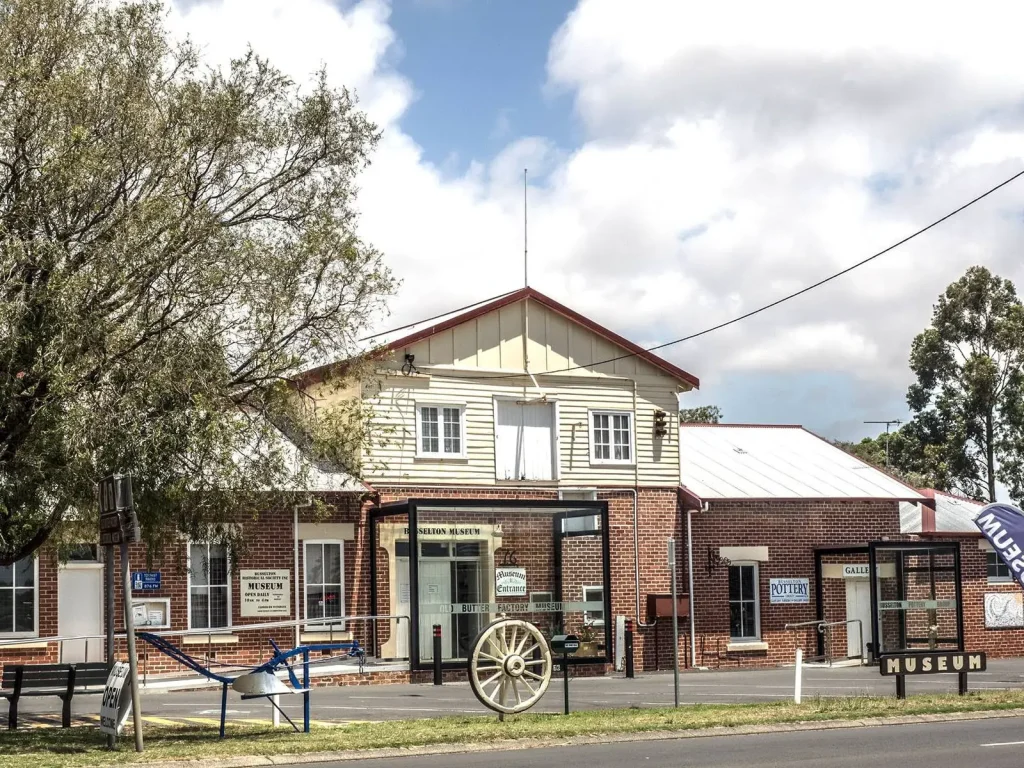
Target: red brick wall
791, 531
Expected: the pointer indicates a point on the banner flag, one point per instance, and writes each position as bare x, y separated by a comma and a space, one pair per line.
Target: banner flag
1003, 526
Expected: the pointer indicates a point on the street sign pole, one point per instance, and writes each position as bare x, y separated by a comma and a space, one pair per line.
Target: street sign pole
108, 575
675, 620
133, 658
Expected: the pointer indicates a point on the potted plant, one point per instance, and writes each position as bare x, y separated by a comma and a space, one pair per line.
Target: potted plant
588, 641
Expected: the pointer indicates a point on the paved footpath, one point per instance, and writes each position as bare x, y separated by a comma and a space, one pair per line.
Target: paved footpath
391, 702
983, 743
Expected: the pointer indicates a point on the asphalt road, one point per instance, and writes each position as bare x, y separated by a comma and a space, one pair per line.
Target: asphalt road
982, 743
388, 702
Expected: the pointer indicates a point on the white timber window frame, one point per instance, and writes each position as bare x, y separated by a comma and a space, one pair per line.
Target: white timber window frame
745, 601
606, 430
589, 593
13, 589
323, 583
440, 436
195, 589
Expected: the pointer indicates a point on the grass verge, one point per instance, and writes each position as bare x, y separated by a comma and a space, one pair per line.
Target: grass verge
85, 746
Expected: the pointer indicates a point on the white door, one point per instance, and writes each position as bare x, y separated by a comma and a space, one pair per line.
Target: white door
858, 606
404, 609
435, 584
80, 612
524, 441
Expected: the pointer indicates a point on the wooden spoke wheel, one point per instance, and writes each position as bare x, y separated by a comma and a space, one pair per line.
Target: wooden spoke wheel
510, 666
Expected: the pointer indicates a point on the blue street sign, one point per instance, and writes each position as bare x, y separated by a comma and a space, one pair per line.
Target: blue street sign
143, 580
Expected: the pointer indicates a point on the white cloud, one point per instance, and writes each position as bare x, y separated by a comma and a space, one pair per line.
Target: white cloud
733, 152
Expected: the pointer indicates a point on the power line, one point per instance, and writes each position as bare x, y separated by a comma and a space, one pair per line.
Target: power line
435, 317
773, 304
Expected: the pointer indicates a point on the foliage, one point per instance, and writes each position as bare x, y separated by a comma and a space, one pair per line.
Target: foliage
704, 414
175, 243
914, 453
969, 366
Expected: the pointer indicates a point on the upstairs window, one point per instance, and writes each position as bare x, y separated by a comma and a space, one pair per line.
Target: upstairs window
440, 431
611, 437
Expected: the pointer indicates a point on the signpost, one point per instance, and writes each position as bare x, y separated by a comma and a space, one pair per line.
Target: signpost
955, 662
119, 525
565, 644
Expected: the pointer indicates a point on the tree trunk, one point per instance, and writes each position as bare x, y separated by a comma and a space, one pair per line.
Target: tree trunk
990, 456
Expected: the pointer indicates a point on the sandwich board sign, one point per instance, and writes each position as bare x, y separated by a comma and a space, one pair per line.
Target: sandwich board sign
117, 701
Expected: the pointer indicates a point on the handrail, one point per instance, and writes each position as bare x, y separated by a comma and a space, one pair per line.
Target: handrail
824, 625
204, 632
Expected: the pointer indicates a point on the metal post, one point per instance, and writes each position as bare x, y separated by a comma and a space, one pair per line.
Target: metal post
133, 659
963, 683
799, 675
108, 576
675, 620
630, 672
901, 686
565, 678
305, 694
437, 654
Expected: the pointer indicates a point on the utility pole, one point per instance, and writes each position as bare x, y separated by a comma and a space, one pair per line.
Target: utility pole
888, 423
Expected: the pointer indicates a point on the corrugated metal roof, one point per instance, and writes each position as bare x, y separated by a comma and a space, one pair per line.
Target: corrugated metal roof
953, 514
725, 461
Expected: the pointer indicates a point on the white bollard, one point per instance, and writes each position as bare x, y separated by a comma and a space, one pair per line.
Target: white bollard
799, 675
277, 713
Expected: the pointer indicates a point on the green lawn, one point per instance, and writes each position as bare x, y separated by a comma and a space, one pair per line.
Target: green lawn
85, 746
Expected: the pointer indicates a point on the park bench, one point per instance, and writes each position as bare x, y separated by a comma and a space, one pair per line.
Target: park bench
61, 680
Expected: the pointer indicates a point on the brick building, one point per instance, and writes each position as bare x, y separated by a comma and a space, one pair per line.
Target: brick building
532, 463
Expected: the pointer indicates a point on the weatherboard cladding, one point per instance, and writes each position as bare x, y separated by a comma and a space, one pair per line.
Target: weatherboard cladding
756, 462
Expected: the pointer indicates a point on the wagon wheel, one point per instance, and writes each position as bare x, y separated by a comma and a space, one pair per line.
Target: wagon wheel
510, 666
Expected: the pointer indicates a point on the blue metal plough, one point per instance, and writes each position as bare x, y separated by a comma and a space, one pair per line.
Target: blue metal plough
278, 660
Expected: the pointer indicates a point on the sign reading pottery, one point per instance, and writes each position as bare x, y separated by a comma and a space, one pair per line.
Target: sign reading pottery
932, 663
509, 582
789, 590
266, 593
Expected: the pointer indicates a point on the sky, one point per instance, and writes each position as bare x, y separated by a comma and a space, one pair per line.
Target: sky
687, 162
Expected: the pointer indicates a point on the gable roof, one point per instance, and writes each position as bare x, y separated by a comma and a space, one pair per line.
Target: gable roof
784, 462
533, 295
953, 514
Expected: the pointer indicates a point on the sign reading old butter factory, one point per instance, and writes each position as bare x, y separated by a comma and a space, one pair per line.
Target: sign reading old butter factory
932, 663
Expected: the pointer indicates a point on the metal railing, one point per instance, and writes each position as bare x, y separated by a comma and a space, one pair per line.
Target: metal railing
330, 624
824, 629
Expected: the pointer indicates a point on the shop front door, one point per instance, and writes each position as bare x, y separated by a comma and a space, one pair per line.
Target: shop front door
80, 612
858, 606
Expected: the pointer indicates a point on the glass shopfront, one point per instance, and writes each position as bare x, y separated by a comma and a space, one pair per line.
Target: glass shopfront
460, 564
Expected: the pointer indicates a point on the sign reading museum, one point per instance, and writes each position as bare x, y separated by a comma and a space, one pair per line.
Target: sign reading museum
266, 593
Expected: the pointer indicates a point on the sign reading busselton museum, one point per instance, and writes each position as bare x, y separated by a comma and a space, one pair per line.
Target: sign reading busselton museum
932, 663
266, 593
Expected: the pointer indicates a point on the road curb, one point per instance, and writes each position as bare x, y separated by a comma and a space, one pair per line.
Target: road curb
251, 761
